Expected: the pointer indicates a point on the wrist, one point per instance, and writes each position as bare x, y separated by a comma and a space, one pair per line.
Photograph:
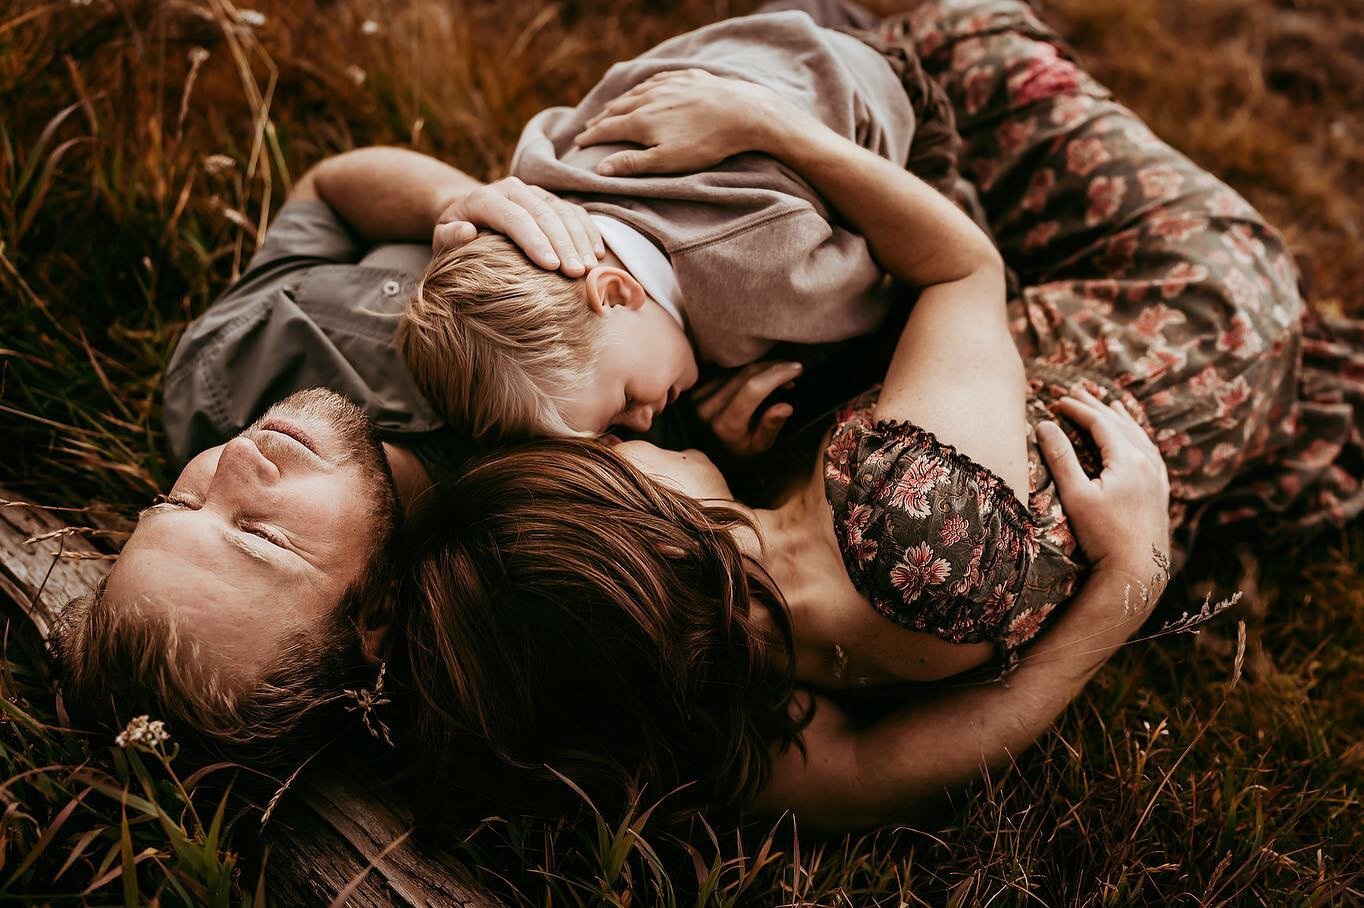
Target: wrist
782, 129
1145, 576
442, 196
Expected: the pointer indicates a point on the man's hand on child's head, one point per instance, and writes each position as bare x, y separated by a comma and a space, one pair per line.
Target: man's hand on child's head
554, 234
729, 404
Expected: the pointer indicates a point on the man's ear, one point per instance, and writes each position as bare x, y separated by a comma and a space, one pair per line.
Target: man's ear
609, 287
373, 633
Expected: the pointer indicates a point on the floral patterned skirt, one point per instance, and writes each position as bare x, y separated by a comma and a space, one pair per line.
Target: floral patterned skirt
1138, 267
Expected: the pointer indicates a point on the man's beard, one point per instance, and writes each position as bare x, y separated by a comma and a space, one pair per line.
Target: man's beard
351, 439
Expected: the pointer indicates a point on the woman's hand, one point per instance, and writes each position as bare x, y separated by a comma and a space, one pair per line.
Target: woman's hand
555, 234
728, 406
688, 119
1122, 517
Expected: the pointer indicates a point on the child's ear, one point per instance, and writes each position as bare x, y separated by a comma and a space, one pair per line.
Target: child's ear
609, 287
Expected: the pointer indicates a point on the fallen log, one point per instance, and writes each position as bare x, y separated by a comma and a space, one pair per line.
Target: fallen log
343, 833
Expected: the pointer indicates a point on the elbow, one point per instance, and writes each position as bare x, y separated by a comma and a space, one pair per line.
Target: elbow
988, 258
305, 188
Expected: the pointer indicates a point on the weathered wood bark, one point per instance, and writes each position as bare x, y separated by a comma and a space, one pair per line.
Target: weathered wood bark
336, 827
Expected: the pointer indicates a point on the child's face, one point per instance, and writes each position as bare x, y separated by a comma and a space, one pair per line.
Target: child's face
644, 362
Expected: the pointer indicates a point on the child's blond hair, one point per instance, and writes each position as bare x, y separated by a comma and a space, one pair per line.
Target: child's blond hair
496, 342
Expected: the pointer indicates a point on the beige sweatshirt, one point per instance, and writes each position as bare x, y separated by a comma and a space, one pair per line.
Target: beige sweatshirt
760, 258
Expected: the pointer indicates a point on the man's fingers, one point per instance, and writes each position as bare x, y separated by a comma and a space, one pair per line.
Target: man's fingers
523, 230
452, 234
580, 228
576, 221
593, 233
1061, 460
552, 226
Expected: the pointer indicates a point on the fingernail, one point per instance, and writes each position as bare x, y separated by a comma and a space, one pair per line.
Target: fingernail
606, 169
797, 368
1047, 428
573, 264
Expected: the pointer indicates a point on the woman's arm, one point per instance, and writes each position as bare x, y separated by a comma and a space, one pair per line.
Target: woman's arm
893, 769
393, 195
956, 371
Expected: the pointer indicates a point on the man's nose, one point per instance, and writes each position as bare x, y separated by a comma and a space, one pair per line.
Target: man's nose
243, 468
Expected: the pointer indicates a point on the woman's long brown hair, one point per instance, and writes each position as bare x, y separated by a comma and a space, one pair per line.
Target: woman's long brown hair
567, 614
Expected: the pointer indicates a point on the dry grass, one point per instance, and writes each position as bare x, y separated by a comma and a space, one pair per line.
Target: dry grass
1169, 781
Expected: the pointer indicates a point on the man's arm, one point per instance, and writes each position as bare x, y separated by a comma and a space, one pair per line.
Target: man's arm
891, 770
386, 194
394, 195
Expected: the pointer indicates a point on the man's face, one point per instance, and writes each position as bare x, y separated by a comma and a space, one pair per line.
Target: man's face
644, 362
260, 537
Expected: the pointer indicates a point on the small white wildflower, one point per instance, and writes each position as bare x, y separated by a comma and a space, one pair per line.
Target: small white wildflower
250, 17
215, 164
369, 27
143, 730
197, 55
355, 74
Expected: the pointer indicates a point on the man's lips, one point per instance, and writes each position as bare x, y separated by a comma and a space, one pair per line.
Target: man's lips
291, 431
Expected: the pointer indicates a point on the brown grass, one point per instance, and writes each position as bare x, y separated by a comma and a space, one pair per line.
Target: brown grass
1168, 782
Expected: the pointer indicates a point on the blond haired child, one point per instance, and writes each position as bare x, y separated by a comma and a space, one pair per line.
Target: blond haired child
736, 252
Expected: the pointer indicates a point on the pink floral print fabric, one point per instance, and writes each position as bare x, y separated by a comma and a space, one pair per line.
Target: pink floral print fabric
1139, 275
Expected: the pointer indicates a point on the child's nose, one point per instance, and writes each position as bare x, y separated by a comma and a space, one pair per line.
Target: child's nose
639, 419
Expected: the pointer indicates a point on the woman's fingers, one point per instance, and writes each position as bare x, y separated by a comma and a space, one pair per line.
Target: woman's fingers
625, 128
755, 390
716, 394
1100, 422
741, 392
769, 427
634, 163
1059, 454
632, 100
1133, 428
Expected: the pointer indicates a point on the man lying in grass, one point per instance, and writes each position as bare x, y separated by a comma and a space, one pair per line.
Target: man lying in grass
1114, 307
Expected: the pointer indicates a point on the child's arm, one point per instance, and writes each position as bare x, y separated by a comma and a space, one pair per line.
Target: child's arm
893, 769
392, 195
956, 372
